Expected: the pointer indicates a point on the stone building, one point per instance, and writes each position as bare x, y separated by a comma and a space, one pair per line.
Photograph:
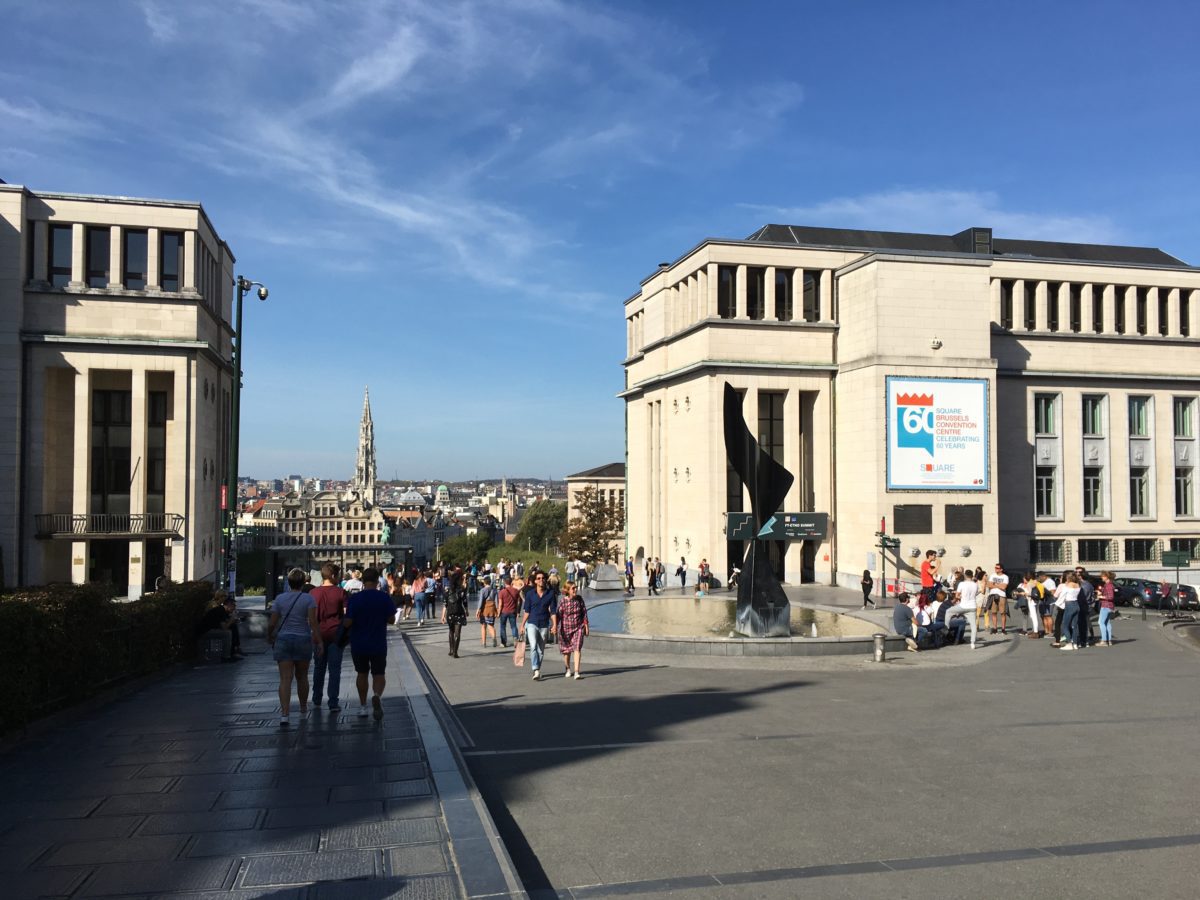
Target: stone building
1031, 402
114, 401
608, 482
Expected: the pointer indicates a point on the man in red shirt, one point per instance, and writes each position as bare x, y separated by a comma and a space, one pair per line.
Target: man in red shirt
929, 572
510, 605
331, 606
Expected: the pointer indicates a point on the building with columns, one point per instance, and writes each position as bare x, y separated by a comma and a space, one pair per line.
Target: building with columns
607, 482
115, 398
1031, 402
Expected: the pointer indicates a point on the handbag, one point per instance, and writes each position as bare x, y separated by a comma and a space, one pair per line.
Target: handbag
519, 654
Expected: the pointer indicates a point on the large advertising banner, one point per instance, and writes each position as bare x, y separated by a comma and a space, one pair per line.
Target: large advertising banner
937, 434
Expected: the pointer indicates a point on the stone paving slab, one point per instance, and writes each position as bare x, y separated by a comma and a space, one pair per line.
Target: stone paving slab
134, 849
123, 879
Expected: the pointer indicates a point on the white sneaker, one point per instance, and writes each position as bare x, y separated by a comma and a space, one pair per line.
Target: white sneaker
577, 676
363, 712
537, 674
285, 721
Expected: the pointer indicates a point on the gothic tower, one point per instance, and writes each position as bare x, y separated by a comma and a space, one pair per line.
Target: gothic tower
364, 469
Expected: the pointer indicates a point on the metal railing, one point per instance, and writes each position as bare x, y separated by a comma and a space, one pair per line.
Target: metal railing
51, 525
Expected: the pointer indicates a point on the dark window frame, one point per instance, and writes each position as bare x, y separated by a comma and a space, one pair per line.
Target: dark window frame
134, 279
94, 275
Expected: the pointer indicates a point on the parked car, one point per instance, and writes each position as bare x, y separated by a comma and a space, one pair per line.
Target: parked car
1144, 592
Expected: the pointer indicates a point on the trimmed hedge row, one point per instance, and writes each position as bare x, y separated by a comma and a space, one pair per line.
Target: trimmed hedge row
64, 643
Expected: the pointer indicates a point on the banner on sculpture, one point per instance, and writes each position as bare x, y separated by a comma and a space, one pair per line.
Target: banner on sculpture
937, 434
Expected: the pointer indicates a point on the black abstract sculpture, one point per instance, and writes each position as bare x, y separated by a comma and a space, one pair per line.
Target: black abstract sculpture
762, 606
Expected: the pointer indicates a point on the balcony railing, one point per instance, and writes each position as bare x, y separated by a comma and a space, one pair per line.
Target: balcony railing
68, 526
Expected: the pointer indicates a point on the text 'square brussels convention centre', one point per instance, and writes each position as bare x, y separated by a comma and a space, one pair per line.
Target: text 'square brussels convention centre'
1028, 402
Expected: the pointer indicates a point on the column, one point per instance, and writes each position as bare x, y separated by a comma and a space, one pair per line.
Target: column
769, 294
77, 237
1040, 306
1064, 305
1087, 321
1110, 309
1019, 301
710, 291
189, 262
152, 261
1193, 315
1152, 311
791, 460
41, 255
1131, 310
693, 291
997, 310
115, 271
740, 293
750, 414
797, 295
82, 464
826, 295
1173, 313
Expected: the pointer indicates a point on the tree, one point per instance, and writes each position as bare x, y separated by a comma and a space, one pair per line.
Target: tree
460, 550
542, 525
594, 536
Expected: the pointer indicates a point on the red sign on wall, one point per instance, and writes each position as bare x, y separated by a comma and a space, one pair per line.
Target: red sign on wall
224, 496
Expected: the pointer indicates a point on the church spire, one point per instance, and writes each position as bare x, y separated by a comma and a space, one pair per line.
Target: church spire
364, 469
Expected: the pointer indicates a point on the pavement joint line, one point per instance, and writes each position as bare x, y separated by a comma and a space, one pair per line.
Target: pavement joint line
897, 866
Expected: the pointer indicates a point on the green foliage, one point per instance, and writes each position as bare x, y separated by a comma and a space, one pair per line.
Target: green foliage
542, 525
593, 536
512, 553
67, 642
459, 551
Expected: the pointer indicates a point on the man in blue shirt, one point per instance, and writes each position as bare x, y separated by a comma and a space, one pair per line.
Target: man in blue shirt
368, 614
541, 618
902, 622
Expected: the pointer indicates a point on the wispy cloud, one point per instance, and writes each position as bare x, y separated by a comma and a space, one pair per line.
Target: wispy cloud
39, 122
163, 28
942, 211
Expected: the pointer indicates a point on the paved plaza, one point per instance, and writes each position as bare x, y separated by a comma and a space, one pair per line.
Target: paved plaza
1016, 770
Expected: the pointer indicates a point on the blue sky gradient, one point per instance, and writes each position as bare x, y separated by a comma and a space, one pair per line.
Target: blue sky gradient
450, 201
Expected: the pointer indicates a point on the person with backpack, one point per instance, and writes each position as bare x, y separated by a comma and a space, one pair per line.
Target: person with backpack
454, 608
487, 613
331, 607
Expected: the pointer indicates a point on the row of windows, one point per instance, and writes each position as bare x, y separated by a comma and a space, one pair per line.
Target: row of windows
756, 294
1069, 316
1063, 552
917, 518
1094, 408
1140, 486
97, 257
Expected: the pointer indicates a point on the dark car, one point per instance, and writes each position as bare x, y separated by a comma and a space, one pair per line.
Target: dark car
1144, 592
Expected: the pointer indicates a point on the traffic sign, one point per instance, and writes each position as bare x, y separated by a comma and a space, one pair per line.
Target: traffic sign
1176, 559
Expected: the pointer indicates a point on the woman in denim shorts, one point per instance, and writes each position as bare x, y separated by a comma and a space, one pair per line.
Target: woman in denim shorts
294, 635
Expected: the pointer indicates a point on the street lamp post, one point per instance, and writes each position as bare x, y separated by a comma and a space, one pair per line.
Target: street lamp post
243, 285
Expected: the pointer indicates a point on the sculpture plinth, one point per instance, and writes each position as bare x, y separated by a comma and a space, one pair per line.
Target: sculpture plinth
762, 607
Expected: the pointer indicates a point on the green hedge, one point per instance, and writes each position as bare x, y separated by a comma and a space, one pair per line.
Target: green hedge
65, 643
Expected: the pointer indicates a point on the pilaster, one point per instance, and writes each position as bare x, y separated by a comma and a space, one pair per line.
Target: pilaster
1173, 313
1087, 318
77, 237
1110, 301
1152, 311
797, 295
826, 295
115, 270
710, 292
769, 294
1131, 310
152, 260
1041, 307
1193, 314
1020, 303
41, 255
189, 262
740, 293
997, 310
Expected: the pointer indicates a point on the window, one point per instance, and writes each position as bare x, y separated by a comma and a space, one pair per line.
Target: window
1141, 550
812, 298
770, 424
1139, 491
726, 291
1185, 313
111, 423
964, 518
783, 295
756, 292
97, 257
1140, 308
1076, 310
1049, 551
1098, 308
1006, 305
1164, 311
170, 256
1043, 413
1030, 288
1119, 309
58, 269
156, 451
133, 259
913, 518
1139, 416
1044, 492
1093, 491
1190, 546
1183, 491
1093, 415
1095, 550
1182, 407
1052, 310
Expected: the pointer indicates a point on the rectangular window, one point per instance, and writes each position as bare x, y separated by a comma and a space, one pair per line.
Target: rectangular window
1006, 305
1093, 491
1030, 289
170, 260
1049, 551
1052, 304
783, 295
97, 258
1076, 313
812, 296
1139, 416
156, 451
1098, 308
726, 291
1185, 312
770, 424
1044, 498
1043, 414
1141, 550
913, 518
1119, 309
58, 269
1183, 491
133, 259
1140, 307
111, 437
1188, 545
756, 292
964, 518
1164, 311
1093, 415
1139, 491
1182, 407
1095, 550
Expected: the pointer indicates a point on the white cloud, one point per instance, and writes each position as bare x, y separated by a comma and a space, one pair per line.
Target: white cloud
37, 121
941, 211
162, 26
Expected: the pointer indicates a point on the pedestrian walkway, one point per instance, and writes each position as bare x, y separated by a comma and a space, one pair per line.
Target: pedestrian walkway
189, 787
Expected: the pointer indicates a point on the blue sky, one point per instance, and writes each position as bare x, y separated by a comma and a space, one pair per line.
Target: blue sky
450, 201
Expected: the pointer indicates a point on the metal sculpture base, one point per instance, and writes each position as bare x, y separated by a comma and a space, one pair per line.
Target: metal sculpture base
762, 608
607, 577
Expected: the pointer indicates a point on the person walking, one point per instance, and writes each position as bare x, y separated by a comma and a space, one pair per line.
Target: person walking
572, 629
367, 616
1108, 608
488, 609
540, 619
510, 605
330, 601
868, 584
1068, 593
681, 571
294, 636
705, 577
420, 588
454, 609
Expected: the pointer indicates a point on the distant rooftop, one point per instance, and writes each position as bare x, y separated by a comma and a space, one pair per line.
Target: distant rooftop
610, 470
968, 241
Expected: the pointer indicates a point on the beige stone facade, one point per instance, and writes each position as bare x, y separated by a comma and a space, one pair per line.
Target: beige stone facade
810, 324
607, 482
116, 339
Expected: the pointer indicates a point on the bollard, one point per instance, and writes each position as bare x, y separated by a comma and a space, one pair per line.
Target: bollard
1143, 612
880, 649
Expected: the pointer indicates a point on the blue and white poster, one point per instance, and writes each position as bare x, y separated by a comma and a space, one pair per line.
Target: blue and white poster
937, 434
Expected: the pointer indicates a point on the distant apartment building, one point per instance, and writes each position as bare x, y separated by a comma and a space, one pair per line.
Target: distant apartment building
607, 481
114, 402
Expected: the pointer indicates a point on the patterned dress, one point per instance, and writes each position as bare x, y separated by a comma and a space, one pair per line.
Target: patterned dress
572, 616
